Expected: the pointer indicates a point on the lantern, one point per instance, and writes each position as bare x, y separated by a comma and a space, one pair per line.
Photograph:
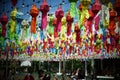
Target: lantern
50, 27
4, 20
44, 8
69, 20
117, 6
19, 20
12, 24
34, 13
24, 31
59, 14
89, 22
14, 2
112, 24
96, 7
85, 3
73, 7
77, 30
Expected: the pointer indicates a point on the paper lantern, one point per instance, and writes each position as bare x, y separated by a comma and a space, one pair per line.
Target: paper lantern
85, 3
96, 7
112, 24
4, 20
34, 13
50, 26
19, 19
117, 6
77, 31
73, 7
12, 24
24, 29
89, 21
44, 8
59, 14
63, 30
69, 20
14, 2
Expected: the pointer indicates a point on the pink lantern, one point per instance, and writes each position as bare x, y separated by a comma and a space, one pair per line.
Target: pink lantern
59, 14
44, 8
96, 7
4, 20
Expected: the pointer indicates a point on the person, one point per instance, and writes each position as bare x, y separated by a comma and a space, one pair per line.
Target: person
79, 74
28, 77
43, 76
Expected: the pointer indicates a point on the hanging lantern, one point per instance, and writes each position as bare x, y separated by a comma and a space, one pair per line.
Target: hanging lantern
112, 24
77, 30
34, 13
4, 20
59, 14
12, 24
69, 20
89, 21
117, 6
44, 8
112, 14
73, 7
25, 26
50, 27
14, 2
96, 7
85, 3
19, 20
80, 7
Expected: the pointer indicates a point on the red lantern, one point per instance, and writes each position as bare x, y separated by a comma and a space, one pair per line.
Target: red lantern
44, 8
112, 24
59, 14
14, 2
117, 6
4, 20
80, 7
77, 30
96, 7
34, 13
69, 20
89, 21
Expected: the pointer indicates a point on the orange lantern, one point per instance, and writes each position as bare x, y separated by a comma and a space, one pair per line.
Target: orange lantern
34, 13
